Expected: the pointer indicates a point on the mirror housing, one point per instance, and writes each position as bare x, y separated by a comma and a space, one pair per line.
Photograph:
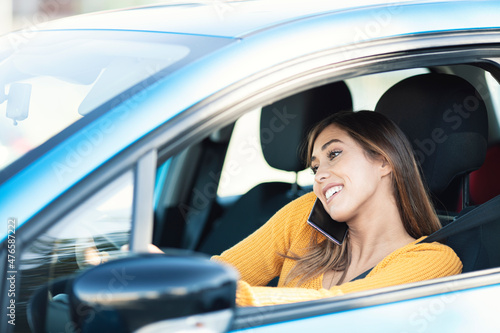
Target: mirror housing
154, 293
18, 101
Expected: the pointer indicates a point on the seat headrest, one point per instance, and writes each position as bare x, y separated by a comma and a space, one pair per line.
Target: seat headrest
285, 123
445, 119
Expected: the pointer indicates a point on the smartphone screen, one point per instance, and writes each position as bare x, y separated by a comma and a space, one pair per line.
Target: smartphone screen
323, 222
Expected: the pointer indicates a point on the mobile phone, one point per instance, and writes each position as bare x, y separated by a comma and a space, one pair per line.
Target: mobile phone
320, 220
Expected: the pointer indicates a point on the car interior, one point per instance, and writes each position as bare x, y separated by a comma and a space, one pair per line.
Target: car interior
449, 113
442, 113
281, 151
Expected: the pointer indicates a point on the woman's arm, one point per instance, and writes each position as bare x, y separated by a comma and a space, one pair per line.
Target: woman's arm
412, 263
257, 256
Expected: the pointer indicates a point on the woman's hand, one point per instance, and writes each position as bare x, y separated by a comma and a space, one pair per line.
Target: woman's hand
151, 248
95, 257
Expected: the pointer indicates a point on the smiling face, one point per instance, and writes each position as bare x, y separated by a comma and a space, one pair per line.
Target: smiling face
350, 184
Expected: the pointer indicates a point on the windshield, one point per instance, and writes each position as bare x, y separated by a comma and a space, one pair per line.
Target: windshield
49, 80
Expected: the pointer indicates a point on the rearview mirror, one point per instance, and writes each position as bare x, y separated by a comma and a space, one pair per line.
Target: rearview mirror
154, 293
18, 101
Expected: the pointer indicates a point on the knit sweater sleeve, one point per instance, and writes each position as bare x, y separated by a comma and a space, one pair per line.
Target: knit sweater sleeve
257, 258
412, 263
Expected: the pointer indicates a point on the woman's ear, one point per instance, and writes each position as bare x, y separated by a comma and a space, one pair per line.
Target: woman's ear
385, 167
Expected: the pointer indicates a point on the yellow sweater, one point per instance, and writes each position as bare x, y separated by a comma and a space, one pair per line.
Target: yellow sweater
258, 261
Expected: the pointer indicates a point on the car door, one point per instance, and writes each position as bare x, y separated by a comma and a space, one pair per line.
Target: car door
427, 306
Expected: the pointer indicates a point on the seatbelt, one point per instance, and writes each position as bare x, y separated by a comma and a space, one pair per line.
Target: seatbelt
362, 275
483, 214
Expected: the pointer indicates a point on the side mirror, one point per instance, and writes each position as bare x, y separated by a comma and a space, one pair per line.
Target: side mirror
154, 293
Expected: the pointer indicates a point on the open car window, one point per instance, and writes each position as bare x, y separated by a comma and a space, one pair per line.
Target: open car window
245, 165
207, 185
218, 172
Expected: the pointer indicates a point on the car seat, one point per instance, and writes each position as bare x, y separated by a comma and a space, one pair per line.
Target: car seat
447, 116
283, 127
478, 246
445, 119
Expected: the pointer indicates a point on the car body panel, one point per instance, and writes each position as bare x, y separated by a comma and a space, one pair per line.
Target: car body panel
447, 312
214, 18
240, 18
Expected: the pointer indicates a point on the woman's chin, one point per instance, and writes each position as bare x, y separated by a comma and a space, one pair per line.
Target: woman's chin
337, 214
334, 214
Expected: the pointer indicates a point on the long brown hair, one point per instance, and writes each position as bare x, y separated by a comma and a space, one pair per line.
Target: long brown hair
379, 137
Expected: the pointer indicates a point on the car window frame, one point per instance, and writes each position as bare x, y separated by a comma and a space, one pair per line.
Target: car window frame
143, 203
225, 107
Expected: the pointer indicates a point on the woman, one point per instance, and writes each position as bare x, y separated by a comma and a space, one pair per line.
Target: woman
365, 176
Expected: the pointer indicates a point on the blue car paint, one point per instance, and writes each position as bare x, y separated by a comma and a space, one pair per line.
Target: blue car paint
201, 79
242, 18
447, 312
161, 175
217, 18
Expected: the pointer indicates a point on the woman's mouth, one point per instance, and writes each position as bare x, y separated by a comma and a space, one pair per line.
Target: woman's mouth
332, 191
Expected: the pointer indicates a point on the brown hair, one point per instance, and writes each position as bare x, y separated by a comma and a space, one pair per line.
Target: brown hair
379, 137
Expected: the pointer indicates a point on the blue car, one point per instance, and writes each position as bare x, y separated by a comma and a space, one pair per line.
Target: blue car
179, 125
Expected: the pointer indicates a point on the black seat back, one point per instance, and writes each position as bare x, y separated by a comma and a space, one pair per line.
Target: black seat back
445, 119
283, 127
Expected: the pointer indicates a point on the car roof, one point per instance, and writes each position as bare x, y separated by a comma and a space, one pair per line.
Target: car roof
232, 19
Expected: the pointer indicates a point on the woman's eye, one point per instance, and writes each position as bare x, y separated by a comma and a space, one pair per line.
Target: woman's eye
334, 153
331, 155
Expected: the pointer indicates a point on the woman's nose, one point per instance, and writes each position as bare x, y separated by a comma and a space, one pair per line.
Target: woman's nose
321, 174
